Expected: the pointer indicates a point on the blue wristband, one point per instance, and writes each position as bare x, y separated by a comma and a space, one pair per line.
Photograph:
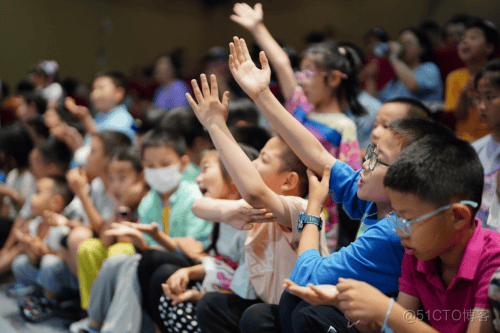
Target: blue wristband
385, 328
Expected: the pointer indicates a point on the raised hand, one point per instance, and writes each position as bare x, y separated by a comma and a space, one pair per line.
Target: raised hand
315, 295
318, 190
54, 219
246, 16
119, 229
78, 111
244, 215
209, 108
151, 229
77, 180
252, 80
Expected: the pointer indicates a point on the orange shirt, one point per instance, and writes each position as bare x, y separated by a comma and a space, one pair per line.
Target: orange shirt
473, 127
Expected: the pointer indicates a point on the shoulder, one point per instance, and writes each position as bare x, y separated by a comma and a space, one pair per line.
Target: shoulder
457, 73
481, 143
294, 204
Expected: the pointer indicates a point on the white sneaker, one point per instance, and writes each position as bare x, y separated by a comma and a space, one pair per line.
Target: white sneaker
79, 325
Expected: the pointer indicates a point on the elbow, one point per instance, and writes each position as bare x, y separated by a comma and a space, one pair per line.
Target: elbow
255, 197
412, 86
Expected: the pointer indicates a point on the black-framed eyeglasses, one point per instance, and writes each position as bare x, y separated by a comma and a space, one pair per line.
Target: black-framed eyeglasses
372, 157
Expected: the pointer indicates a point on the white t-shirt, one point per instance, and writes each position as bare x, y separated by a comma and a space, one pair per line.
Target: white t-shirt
53, 237
24, 183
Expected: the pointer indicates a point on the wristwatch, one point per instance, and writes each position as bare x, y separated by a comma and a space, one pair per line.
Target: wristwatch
306, 218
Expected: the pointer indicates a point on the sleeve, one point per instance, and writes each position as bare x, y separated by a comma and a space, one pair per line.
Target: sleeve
25, 211
349, 146
344, 188
373, 258
428, 77
241, 284
179, 94
486, 269
407, 283
452, 92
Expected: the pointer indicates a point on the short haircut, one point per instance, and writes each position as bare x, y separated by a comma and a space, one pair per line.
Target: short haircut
242, 109
292, 163
118, 78
490, 32
438, 170
150, 119
55, 151
182, 121
416, 109
129, 154
251, 153
15, 142
161, 138
409, 130
40, 102
491, 71
112, 140
61, 188
253, 136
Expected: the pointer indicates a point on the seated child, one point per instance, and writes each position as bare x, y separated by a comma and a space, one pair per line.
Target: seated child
376, 255
435, 187
275, 181
40, 264
487, 102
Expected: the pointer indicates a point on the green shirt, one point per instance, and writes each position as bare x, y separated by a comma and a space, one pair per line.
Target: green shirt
191, 173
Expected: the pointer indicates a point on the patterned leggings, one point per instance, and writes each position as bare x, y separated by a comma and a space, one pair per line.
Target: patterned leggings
178, 318
494, 295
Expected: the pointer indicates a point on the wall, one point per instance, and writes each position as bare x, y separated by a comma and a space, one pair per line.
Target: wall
71, 31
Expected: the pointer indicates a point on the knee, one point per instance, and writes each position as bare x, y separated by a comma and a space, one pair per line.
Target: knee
249, 321
121, 248
90, 246
203, 307
18, 263
51, 263
77, 236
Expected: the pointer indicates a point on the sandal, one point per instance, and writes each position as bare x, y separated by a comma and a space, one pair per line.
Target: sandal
38, 309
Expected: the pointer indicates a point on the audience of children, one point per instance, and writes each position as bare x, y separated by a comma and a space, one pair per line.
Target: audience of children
125, 234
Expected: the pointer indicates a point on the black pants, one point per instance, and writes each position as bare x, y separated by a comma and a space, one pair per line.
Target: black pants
154, 269
5, 226
348, 228
221, 313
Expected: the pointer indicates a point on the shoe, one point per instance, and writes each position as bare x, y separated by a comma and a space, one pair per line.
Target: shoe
77, 326
20, 290
37, 309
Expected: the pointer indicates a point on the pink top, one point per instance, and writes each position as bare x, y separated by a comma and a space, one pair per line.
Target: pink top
450, 309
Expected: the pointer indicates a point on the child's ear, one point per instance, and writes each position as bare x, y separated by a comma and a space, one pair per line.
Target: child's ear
463, 215
334, 79
183, 163
291, 181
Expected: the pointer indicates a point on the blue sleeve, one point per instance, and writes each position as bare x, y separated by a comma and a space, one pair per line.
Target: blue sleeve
375, 257
428, 77
178, 97
344, 188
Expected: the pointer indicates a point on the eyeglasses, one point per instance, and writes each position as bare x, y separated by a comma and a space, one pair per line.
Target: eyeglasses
372, 157
488, 99
307, 75
398, 222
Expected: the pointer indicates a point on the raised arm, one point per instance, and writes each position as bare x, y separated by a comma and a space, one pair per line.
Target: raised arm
255, 82
213, 114
252, 19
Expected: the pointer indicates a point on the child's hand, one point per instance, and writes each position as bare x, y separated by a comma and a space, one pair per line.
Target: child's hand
178, 282
242, 216
78, 111
252, 80
54, 219
209, 109
188, 295
324, 294
119, 229
51, 118
77, 180
151, 229
246, 16
318, 191
360, 301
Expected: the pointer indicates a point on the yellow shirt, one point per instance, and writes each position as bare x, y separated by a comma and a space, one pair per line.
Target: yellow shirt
473, 127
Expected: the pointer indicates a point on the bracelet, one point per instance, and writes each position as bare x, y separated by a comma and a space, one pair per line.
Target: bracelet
385, 328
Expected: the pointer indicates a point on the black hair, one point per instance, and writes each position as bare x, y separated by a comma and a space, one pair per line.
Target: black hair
292, 163
491, 71
61, 188
253, 136
23, 87
118, 78
161, 138
378, 33
416, 109
54, 151
409, 130
438, 169
359, 60
182, 121
430, 25
252, 155
175, 60
489, 30
15, 142
112, 140
457, 18
243, 109
150, 119
315, 37
332, 59
40, 102
5, 89
129, 154
424, 42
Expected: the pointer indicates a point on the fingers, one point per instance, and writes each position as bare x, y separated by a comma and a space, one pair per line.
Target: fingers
204, 86
258, 8
239, 51
233, 57
247, 226
197, 91
191, 102
225, 99
214, 89
326, 174
237, 19
69, 103
264, 62
244, 49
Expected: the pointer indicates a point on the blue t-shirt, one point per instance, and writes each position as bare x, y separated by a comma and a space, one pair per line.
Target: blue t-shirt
172, 96
375, 257
430, 85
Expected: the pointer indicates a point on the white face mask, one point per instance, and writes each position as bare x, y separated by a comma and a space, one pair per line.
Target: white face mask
163, 180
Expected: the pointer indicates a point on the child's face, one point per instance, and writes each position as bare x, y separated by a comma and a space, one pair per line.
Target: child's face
121, 176
489, 105
160, 157
163, 70
315, 89
105, 94
269, 164
211, 180
43, 199
371, 185
386, 115
473, 45
431, 237
38, 167
413, 49
97, 161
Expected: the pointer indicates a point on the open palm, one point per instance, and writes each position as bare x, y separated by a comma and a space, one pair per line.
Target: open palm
251, 79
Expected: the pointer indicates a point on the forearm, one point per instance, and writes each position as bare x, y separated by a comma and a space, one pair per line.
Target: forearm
310, 151
278, 58
12, 239
95, 218
309, 238
371, 87
209, 209
196, 273
404, 73
400, 322
170, 243
89, 124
